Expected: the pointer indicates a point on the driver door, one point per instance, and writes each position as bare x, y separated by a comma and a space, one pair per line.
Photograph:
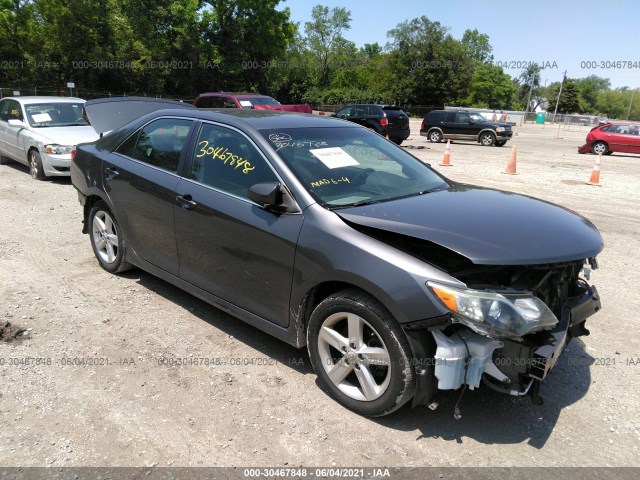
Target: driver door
228, 245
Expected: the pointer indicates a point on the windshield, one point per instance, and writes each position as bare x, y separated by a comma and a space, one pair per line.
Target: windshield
344, 167
55, 114
249, 102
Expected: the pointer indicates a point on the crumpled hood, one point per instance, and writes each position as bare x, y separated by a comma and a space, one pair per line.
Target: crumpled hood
489, 227
68, 135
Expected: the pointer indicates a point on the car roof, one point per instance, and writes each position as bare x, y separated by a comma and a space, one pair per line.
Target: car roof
232, 94
112, 113
266, 119
29, 99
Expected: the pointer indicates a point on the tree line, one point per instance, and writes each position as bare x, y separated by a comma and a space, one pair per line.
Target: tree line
180, 48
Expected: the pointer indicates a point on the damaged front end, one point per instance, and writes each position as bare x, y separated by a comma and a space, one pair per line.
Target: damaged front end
506, 329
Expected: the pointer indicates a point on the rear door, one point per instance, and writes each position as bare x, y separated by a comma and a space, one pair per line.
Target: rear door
623, 138
228, 245
140, 178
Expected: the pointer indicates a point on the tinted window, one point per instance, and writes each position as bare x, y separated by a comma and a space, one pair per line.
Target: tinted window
344, 112
227, 160
159, 143
10, 110
216, 102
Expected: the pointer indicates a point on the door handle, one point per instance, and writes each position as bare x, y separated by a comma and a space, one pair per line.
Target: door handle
185, 202
111, 172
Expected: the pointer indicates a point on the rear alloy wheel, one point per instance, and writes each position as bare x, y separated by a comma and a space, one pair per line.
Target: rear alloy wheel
107, 240
360, 354
600, 148
435, 136
487, 139
35, 165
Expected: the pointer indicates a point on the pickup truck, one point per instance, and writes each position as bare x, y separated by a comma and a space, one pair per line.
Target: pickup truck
245, 100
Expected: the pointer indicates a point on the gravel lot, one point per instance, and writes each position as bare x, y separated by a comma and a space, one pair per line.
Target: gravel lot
261, 405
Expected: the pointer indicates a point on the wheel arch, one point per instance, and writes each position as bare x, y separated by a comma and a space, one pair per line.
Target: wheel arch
319, 292
89, 202
487, 130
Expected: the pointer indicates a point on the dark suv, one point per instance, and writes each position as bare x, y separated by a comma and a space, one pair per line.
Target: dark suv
464, 125
384, 119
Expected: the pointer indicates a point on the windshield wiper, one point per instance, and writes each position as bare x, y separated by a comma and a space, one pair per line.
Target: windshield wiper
359, 203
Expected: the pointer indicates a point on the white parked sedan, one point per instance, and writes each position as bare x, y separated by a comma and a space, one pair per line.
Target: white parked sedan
42, 132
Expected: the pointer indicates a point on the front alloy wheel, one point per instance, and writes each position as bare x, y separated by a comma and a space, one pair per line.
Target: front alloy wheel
600, 148
360, 354
487, 139
35, 165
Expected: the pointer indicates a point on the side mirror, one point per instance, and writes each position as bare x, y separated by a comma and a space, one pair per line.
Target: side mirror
272, 196
333, 115
14, 122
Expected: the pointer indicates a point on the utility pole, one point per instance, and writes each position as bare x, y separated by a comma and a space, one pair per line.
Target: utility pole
564, 77
630, 103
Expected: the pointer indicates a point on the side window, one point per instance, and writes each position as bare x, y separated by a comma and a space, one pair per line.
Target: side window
344, 112
463, 117
226, 160
159, 143
11, 110
449, 117
4, 110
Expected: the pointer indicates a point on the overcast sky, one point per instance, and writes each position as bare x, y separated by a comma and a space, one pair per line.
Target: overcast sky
584, 37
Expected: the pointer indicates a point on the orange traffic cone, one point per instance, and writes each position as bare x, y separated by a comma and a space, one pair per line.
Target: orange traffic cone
558, 133
511, 164
595, 173
446, 161
515, 134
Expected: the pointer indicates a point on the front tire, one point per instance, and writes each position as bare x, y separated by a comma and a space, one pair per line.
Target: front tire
360, 354
107, 240
435, 136
500, 144
487, 139
35, 165
600, 148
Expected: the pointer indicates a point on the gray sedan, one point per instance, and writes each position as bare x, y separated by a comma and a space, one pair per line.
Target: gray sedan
402, 284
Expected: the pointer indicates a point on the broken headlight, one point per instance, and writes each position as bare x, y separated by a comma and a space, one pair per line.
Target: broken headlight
493, 313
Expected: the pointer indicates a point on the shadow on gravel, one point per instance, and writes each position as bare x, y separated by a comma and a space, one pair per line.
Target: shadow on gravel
490, 417
271, 347
12, 333
22, 168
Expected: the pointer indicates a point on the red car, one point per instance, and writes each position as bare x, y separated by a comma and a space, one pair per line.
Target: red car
613, 137
254, 101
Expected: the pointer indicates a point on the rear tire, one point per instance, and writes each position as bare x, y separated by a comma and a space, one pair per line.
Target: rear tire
360, 354
107, 239
397, 141
435, 136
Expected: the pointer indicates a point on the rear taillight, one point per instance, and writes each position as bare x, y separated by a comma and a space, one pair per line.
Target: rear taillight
73, 154
384, 121
422, 126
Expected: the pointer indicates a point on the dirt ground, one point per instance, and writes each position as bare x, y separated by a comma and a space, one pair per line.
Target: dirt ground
90, 376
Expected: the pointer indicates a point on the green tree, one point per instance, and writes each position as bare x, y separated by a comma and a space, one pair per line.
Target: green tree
491, 88
569, 98
429, 66
324, 37
476, 45
589, 88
